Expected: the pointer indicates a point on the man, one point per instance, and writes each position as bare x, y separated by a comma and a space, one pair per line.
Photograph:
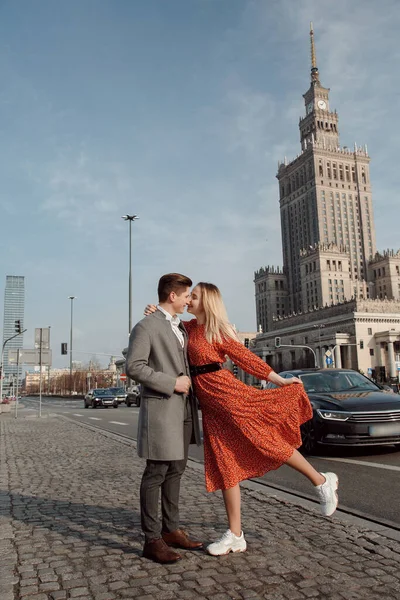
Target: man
168, 419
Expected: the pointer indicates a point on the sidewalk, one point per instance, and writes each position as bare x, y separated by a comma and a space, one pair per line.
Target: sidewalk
70, 528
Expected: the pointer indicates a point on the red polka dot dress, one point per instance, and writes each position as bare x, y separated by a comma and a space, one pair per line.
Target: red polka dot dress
247, 431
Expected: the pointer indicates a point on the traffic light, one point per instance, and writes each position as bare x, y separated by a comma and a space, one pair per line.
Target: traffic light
235, 370
64, 348
277, 342
18, 328
246, 342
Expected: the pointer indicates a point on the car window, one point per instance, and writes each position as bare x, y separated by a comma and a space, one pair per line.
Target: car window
342, 381
315, 382
359, 381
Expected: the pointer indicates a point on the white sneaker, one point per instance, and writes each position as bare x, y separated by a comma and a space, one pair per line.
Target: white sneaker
327, 494
228, 543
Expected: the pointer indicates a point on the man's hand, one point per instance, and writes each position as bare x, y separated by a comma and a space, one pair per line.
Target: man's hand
150, 308
182, 385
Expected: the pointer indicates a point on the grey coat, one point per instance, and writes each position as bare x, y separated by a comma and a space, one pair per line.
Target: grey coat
155, 358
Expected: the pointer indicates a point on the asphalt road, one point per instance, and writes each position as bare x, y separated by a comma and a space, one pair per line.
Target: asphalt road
369, 477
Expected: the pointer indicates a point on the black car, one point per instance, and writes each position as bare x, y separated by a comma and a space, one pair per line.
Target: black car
348, 410
100, 397
133, 395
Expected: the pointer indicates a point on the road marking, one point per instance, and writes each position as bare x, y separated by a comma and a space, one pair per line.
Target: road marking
77, 415
362, 463
95, 418
118, 423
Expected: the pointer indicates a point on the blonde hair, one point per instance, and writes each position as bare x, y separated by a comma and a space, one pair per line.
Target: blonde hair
217, 324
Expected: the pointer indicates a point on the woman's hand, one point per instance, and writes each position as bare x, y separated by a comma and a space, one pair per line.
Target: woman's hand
292, 380
150, 308
281, 381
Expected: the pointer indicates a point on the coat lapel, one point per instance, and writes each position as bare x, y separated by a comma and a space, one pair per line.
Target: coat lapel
170, 334
185, 335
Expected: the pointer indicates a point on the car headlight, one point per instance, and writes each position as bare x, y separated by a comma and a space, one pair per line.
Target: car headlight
333, 415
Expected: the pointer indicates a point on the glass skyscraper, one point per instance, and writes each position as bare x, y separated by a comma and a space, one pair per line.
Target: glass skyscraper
14, 307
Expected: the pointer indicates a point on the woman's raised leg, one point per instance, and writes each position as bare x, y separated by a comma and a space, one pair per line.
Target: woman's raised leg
300, 464
326, 484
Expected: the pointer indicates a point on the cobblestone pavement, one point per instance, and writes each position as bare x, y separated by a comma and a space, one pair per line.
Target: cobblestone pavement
69, 528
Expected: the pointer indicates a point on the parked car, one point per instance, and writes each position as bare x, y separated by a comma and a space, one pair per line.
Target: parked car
119, 393
100, 397
133, 395
348, 410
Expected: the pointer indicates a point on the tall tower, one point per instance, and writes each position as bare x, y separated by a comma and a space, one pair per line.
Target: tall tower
14, 308
325, 205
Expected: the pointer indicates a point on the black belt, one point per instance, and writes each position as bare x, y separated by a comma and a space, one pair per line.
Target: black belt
202, 369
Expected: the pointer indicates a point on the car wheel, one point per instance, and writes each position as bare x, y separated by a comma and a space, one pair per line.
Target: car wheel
309, 444
86, 405
128, 403
115, 405
94, 405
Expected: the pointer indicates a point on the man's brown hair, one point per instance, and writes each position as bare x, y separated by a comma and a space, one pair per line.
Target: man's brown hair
172, 282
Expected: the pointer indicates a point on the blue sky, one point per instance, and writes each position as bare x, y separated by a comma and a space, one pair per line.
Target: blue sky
177, 111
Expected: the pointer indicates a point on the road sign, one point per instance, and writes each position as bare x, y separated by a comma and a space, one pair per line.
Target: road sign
369, 371
45, 335
122, 376
328, 360
328, 353
30, 357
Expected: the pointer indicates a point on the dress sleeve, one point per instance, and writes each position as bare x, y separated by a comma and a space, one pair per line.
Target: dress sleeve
246, 360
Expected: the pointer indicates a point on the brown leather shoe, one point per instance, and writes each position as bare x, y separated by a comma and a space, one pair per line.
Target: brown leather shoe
180, 539
158, 551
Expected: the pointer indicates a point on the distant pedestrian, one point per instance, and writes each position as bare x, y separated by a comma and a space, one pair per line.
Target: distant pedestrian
247, 431
168, 419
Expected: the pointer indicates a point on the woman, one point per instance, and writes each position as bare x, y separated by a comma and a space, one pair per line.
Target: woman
247, 431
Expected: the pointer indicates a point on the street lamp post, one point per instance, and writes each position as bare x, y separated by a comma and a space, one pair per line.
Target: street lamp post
72, 298
130, 218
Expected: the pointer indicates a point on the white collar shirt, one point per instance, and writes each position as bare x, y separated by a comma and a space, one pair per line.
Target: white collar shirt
175, 321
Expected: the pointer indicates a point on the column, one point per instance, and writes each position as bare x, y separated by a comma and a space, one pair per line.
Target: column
346, 357
318, 354
392, 362
338, 357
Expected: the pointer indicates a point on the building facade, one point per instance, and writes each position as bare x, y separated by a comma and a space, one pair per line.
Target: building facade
330, 262
14, 308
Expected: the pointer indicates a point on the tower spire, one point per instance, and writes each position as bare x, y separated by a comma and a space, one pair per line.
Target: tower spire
314, 68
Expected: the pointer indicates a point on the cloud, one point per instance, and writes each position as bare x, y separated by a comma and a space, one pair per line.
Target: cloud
84, 190
193, 152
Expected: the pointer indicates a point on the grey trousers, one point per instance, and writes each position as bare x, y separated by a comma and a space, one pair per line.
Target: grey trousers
164, 475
